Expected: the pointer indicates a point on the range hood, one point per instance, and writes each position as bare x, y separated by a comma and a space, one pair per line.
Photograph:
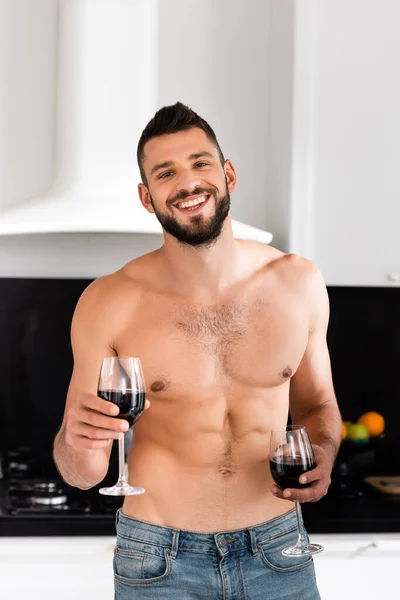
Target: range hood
24, 222
93, 87
65, 214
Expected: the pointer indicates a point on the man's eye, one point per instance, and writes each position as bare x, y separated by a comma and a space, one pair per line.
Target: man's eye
164, 175
201, 164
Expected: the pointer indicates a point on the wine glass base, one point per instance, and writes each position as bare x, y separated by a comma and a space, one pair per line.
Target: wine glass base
299, 551
122, 490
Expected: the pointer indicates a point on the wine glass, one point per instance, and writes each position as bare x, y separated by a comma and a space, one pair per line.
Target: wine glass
121, 381
291, 455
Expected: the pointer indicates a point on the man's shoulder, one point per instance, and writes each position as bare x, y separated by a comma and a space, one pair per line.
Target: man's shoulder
124, 285
293, 270
287, 267
100, 288
283, 261
300, 279
295, 264
128, 278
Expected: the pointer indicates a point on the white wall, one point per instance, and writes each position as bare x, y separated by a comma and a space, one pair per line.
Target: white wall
27, 97
81, 255
238, 75
278, 164
214, 56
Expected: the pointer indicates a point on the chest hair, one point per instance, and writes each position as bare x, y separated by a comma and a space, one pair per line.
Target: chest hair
216, 329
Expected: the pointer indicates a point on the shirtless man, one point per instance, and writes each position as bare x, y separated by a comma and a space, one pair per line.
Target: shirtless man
231, 335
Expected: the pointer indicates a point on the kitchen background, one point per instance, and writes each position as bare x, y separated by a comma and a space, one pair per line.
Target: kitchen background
304, 99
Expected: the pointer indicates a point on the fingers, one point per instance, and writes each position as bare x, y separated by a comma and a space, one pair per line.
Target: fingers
94, 411
104, 406
291, 494
312, 493
98, 420
82, 435
97, 404
89, 424
82, 443
98, 433
314, 483
313, 475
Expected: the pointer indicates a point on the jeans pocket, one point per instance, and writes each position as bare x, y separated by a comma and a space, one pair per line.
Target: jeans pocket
272, 557
133, 567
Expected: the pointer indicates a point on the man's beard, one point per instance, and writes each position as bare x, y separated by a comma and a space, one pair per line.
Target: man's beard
200, 232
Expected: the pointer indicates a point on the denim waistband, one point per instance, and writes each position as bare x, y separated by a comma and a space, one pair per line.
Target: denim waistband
141, 531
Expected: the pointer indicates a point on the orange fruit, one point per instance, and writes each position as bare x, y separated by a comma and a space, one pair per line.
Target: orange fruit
344, 431
374, 422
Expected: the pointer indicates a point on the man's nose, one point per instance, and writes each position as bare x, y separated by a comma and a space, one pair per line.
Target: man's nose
187, 180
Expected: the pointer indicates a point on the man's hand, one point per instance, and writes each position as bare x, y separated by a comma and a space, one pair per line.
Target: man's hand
320, 479
91, 423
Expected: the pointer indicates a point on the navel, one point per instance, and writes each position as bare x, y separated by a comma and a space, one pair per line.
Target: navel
226, 471
157, 385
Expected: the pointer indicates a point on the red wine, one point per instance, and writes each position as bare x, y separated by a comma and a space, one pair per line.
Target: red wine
131, 403
286, 474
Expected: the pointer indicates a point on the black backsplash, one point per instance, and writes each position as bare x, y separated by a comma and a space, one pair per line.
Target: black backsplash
364, 345
36, 358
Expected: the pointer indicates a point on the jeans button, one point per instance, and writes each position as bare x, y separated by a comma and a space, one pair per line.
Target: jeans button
223, 542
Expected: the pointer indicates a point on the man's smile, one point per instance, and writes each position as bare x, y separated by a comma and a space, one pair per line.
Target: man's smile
193, 204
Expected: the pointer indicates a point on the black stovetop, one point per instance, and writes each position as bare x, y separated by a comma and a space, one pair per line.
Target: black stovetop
34, 500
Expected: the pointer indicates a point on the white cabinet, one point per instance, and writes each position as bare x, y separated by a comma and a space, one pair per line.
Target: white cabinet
346, 140
45, 568
358, 566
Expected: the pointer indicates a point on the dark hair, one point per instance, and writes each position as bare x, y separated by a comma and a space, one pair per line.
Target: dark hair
171, 119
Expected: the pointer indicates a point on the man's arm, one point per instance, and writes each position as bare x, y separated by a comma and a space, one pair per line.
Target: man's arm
312, 397
83, 445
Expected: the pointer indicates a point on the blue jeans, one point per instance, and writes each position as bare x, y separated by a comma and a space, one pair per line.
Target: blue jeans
152, 562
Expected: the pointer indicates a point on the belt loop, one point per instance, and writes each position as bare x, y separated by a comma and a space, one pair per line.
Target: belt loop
117, 517
253, 541
175, 543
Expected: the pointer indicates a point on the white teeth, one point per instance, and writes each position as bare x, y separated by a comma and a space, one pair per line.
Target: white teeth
194, 202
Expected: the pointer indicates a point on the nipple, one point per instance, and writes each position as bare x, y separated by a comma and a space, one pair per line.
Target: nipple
157, 386
287, 371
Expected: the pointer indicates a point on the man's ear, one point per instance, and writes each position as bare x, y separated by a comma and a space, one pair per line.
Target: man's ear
230, 175
144, 196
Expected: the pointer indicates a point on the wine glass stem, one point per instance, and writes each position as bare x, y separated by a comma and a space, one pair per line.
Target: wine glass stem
301, 540
121, 455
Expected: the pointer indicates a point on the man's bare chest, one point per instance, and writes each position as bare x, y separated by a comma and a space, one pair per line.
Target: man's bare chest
253, 343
